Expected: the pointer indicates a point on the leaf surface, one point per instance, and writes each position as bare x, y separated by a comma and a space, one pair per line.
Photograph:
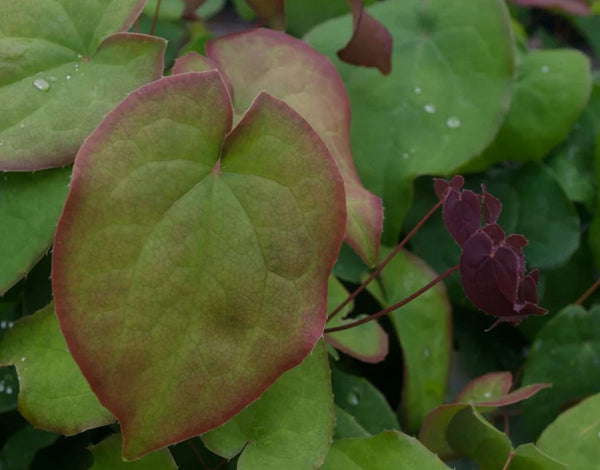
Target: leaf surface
61, 72
290, 70
54, 395
389, 449
441, 105
290, 426
30, 204
568, 346
423, 327
107, 456
573, 437
215, 256
530, 457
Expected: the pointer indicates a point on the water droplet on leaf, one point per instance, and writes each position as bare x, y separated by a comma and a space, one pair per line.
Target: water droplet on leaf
354, 397
41, 84
8, 390
3, 324
68, 77
417, 91
429, 108
545, 69
453, 122
426, 353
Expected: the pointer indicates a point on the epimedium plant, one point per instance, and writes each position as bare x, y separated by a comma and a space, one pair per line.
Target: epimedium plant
216, 214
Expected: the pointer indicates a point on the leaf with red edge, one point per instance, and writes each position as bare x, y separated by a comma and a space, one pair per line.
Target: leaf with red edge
367, 342
271, 11
576, 7
485, 393
371, 42
195, 255
292, 71
62, 70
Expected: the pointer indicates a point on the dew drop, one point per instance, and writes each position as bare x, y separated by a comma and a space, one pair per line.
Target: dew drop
2, 324
429, 108
22, 125
79, 56
41, 84
453, 122
23, 359
487, 394
354, 397
545, 69
405, 155
426, 353
68, 77
1, 143
417, 91
11, 324
1, 387
8, 390
76, 67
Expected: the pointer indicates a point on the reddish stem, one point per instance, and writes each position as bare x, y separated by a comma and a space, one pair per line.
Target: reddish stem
588, 292
403, 302
198, 455
155, 19
510, 457
383, 264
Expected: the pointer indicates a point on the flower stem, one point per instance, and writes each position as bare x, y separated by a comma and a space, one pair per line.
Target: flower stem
383, 264
510, 457
588, 292
391, 308
155, 19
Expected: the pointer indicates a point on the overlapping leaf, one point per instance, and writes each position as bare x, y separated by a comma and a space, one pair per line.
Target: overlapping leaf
61, 71
441, 105
424, 329
53, 394
107, 456
390, 449
40, 196
368, 342
290, 70
289, 426
191, 271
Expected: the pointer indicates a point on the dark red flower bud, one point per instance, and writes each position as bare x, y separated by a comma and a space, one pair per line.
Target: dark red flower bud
492, 265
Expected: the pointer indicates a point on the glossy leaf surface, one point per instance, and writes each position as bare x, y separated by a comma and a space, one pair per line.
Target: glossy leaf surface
289, 426
289, 69
197, 282
568, 346
390, 449
441, 105
53, 394
58, 55
25, 239
573, 437
107, 456
368, 342
423, 327
530, 457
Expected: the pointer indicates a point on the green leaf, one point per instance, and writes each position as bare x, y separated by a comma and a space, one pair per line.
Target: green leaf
290, 426
423, 327
390, 449
565, 353
30, 204
20, 448
53, 395
441, 105
573, 437
363, 401
471, 435
550, 91
107, 456
346, 426
290, 70
541, 211
171, 275
367, 342
60, 74
486, 388
530, 457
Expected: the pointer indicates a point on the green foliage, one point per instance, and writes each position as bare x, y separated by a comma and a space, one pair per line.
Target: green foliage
180, 312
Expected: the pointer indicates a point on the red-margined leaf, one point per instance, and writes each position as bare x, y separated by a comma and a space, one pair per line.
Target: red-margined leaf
190, 265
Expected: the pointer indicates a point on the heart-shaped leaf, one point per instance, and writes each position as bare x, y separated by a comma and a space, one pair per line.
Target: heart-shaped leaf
568, 346
20, 448
190, 270
30, 204
289, 426
530, 457
423, 327
368, 342
53, 394
390, 449
107, 456
289, 69
443, 101
60, 74
486, 388
573, 437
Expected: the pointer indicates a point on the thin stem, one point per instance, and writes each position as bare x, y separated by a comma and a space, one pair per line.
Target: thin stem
510, 457
155, 19
403, 302
383, 264
588, 292
198, 455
